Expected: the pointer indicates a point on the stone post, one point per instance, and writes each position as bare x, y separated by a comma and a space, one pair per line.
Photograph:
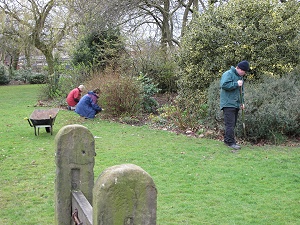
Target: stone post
124, 195
75, 152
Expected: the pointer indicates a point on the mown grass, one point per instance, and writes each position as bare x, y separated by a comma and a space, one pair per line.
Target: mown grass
199, 181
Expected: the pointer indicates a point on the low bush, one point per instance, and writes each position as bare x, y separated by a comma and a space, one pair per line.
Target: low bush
28, 76
124, 95
191, 107
38, 78
4, 79
22, 75
173, 117
121, 95
271, 109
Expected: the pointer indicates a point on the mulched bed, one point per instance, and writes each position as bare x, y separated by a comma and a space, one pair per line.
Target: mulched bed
162, 100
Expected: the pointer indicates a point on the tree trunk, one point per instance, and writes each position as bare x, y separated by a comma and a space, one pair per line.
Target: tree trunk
15, 59
166, 28
50, 61
27, 56
185, 15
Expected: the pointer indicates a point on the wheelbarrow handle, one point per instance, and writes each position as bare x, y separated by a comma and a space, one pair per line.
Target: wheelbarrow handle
30, 122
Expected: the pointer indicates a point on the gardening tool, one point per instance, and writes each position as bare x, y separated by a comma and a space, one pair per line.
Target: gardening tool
243, 115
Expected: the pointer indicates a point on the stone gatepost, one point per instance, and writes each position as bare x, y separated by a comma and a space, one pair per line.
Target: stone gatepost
124, 195
75, 152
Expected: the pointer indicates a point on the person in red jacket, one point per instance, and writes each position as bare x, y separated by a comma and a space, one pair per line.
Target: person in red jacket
74, 97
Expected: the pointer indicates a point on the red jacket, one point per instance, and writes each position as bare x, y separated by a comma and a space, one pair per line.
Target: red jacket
74, 97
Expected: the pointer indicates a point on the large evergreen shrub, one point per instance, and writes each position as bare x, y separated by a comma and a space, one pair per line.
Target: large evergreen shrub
273, 109
99, 49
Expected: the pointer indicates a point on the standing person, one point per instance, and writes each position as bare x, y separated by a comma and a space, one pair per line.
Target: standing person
74, 97
230, 99
88, 106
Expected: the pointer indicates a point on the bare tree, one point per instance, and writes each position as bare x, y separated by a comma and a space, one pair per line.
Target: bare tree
165, 19
159, 19
14, 39
47, 23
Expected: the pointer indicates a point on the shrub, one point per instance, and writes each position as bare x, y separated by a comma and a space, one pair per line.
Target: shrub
160, 68
271, 112
149, 89
3, 75
192, 106
273, 109
27, 76
38, 78
22, 75
124, 94
99, 49
121, 95
173, 116
214, 114
148, 57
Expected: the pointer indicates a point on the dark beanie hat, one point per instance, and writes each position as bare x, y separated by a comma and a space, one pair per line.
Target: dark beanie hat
244, 65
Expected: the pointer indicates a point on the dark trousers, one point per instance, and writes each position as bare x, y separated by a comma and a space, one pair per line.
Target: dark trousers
230, 119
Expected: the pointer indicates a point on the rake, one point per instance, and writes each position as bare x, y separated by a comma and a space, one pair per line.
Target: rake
243, 114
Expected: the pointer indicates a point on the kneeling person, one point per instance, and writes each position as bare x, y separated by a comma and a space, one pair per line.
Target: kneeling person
87, 106
74, 97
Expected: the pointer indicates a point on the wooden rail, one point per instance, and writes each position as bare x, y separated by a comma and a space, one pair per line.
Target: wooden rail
82, 209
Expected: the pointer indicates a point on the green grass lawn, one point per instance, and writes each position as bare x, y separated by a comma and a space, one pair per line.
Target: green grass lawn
199, 181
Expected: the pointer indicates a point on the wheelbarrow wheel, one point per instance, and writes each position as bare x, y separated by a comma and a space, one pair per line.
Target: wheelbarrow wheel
48, 129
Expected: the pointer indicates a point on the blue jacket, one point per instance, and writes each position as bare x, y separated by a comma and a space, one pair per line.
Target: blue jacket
87, 106
230, 91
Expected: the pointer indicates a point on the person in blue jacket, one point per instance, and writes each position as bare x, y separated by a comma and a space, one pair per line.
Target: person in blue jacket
88, 106
230, 99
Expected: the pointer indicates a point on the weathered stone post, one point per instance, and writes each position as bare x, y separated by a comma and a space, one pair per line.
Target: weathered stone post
124, 195
74, 169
